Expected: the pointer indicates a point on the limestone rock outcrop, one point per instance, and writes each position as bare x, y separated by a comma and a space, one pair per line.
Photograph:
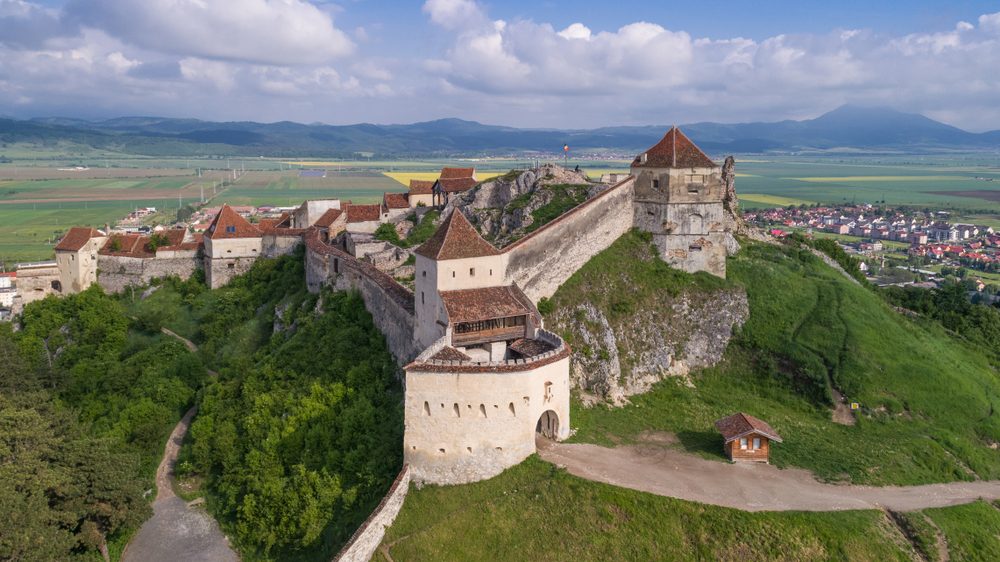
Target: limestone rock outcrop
668, 338
502, 209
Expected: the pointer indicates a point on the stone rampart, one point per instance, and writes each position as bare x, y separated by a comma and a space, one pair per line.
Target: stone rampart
369, 535
115, 273
545, 259
390, 304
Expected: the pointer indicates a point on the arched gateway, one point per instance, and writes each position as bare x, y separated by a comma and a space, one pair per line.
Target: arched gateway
548, 425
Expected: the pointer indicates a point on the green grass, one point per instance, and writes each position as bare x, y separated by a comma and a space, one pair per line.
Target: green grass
564, 198
537, 512
424, 229
927, 399
973, 531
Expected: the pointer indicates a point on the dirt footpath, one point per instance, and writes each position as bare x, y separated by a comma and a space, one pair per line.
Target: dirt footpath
664, 471
177, 532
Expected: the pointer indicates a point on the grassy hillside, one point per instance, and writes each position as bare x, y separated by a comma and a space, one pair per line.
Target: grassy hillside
535, 511
927, 399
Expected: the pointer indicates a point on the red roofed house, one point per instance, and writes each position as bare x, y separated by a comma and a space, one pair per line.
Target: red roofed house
452, 182
363, 218
395, 206
678, 199
76, 257
232, 245
310, 211
747, 439
332, 223
421, 193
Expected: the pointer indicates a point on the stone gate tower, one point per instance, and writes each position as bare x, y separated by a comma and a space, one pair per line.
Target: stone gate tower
678, 198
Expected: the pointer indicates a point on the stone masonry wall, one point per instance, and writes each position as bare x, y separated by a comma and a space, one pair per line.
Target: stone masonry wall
369, 535
115, 273
542, 261
390, 304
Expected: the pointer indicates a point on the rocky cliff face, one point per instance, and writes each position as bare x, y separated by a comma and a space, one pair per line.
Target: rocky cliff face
506, 208
612, 361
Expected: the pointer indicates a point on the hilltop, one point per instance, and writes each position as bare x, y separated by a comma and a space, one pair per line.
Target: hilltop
847, 128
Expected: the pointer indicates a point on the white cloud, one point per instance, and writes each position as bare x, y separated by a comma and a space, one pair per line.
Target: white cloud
285, 32
454, 14
990, 22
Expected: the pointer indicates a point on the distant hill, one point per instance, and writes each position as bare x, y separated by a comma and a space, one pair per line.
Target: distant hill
848, 128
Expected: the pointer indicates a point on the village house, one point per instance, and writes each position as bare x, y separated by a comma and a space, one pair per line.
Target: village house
452, 182
421, 194
746, 438
395, 207
363, 219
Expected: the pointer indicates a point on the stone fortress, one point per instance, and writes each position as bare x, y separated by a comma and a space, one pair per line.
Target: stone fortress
483, 378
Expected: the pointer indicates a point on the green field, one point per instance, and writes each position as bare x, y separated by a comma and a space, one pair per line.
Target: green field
535, 511
902, 182
287, 188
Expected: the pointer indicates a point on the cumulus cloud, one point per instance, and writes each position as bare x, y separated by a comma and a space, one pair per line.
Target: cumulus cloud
643, 71
285, 32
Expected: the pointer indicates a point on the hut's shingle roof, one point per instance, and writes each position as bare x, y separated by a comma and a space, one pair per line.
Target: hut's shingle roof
453, 173
421, 187
395, 201
740, 425
363, 213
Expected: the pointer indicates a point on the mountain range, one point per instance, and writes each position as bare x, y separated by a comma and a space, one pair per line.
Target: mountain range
847, 128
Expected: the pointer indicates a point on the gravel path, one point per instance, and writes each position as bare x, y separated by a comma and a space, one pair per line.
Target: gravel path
665, 471
177, 532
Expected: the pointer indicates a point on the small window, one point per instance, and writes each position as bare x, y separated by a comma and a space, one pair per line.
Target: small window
472, 272
458, 413
422, 301
482, 410
491, 273
427, 409
423, 273
656, 184
230, 229
756, 443
694, 248
232, 266
511, 408
336, 265
692, 188
743, 442
453, 274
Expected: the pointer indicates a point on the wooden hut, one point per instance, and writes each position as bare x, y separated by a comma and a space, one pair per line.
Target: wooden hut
747, 439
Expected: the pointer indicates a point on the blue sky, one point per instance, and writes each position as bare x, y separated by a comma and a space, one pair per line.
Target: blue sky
550, 63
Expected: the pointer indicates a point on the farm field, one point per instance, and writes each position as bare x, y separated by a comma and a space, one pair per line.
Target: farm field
287, 188
941, 184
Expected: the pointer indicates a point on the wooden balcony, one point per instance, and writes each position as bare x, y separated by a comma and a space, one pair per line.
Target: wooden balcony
488, 336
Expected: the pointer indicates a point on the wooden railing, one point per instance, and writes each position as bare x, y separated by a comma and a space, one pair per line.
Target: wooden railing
487, 336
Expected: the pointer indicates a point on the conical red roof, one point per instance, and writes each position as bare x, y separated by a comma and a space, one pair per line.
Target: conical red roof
456, 239
675, 150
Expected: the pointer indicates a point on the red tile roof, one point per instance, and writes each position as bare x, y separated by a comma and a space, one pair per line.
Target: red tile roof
456, 239
363, 213
328, 218
128, 245
421, 187
456, 185
453, 173
529, 348
471, 305
449, 353
77, 238
675, 150
740, 425
395, 201
229, 224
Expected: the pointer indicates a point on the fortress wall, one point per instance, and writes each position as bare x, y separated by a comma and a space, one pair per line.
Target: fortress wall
466, 427
368, 537
115, 273
219, 272
390, 304
275, 245
542, 261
